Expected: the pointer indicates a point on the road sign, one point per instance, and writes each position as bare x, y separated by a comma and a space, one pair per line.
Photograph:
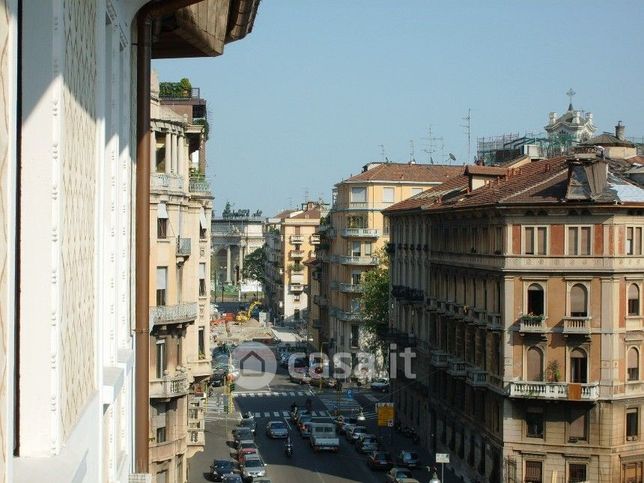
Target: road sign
442, 457
349, 394
385, 413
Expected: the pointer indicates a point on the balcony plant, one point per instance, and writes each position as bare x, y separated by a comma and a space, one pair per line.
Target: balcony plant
552, 372
532, 317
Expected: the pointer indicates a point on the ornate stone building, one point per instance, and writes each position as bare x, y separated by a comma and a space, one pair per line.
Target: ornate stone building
520, 291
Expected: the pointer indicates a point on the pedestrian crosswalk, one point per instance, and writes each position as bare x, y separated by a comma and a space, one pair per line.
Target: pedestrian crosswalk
344, 405
273, 394
286, 414
216, 408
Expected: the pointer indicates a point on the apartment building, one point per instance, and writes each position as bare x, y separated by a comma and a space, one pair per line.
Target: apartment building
180, 213
352, 235
68, 162
290, 240
520, 291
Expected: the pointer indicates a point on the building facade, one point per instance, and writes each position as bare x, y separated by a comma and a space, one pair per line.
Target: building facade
67, 170
519, 290
290, 240
236, 234
180, 213
352, 236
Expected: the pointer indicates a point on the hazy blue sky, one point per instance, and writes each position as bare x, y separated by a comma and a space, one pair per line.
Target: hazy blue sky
307, 98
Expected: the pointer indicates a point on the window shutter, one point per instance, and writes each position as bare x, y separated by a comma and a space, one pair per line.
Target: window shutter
577, 424
535, 364
529, 241
578, 300
533, 470
585, 240
162, 278
633, 358
572, 241
162, 211
541, 241
202, 219
202, 270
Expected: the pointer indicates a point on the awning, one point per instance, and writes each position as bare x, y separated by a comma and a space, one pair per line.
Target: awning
161, 278
162, 211
202, 219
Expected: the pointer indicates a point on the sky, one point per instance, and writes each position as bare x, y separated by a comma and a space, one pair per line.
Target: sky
318, 87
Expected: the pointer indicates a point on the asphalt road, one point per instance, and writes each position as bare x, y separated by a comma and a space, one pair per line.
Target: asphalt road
273, 402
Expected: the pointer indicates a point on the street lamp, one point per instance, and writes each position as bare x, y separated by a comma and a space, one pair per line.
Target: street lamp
360, 418
434, 478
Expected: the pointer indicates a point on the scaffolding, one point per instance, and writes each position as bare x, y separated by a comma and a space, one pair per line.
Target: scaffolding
496, 150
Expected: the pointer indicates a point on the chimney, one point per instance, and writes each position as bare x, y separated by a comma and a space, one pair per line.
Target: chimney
552, 117
619, 131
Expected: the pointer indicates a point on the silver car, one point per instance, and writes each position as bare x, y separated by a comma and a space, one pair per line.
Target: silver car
252, 467
276, 430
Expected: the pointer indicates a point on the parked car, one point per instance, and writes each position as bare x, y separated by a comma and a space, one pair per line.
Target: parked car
408, 459
248, 421
397, 475
246, 447
342, 422
221, 468
241, 434
380, 460
380, 384
367, 443
276, 430
305, 429
355, 433
232, 478
252, 467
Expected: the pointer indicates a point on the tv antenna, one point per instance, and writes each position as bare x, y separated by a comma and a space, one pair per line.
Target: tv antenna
411, 151
468, 131
382, 152
431, 148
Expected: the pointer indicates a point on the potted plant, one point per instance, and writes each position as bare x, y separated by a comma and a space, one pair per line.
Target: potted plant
552, 371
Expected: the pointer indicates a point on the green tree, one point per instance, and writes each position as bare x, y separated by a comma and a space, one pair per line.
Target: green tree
254, 265
375, 304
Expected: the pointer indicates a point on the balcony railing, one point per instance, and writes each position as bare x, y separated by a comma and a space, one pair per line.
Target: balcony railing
169, 386
476, 377
297, 253
432, 303
494, 322
554, 390
296, 287
535, 324
408, 294
184, 247
172, 314
355, 316
162, 181
360, 233
576, 325
357, 260
440, 358
199, 186
457, 368
297, 239
350, 287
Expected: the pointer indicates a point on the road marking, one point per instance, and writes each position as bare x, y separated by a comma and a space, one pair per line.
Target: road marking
276, 414
258, 415
285, 414
287, 424
267, 414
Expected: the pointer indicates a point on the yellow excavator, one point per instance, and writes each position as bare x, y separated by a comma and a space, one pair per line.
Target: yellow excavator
243, 316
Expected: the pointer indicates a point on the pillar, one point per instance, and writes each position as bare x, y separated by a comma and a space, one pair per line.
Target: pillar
229, 263
168, 152
241, 260
153, 152
175, 154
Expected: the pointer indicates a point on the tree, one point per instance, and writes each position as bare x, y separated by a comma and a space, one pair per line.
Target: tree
254, 266
375, 303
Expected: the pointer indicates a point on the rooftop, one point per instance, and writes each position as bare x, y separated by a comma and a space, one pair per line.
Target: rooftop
405, 172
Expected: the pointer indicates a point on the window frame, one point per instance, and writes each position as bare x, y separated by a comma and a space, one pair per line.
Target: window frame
570, 284
628, 367
161, 363
577, 480
527, 349
525, 471
639, 299
627, 412
578, 247
585, 350
535, 240
389, 189
536, 411
544, 287
354, 189
632, 251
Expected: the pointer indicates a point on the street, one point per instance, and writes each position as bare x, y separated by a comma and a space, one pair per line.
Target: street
273, 403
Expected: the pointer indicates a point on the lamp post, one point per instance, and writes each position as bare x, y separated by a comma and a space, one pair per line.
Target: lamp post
434, 478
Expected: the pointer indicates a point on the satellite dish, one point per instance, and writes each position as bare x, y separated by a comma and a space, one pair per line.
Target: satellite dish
452, 157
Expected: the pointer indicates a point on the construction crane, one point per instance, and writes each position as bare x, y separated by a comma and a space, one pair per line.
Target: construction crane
244, 315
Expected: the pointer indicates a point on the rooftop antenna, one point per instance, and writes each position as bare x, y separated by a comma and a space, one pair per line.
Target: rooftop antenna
452, 158
382, 152
306, 194
411, 151
468, 131
431, 148
570, 94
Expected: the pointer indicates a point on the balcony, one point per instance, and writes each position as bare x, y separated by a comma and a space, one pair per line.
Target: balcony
360, 233
200, 366
476, 377
439, 358
532, 324
407, 294
296, 239
199, 186
169, 182
459, 311
355, 316
184, 247
169, 386
320, 300
554, 390
432, 304
297, 278
172, 314
296, 287
494, 322
357, 260
315, 239
576, 325
297, 254
457, 368
350, 287
442, 306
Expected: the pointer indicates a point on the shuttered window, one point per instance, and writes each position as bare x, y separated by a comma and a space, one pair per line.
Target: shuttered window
529, 241
535, 364
577, 428
578, 366
633, 300
533, 472
578, 301
633, 364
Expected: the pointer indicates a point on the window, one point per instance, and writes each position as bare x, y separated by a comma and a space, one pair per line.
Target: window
578, 366
202, 280
536, 299
160, 153
534, 360
534, 424
632, 424
367, 248
633, 300
355, 278
162, 221
161, 358
162, 285
162, 476
203, 224
633, 240
579, 240
161, 435
534, 240
633, 472
359, 195
357, 222
533, 472
356, 249
416, 191
355, 336
633, 371
578, 301
577, 473
296, 314
577, 425
202, 342
388, 195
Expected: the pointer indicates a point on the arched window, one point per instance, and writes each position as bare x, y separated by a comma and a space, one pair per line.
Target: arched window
535, 364
535, 299
633, 364
578, 366
578, 301
633, 299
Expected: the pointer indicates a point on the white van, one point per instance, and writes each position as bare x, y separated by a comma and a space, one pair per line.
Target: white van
323, 437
